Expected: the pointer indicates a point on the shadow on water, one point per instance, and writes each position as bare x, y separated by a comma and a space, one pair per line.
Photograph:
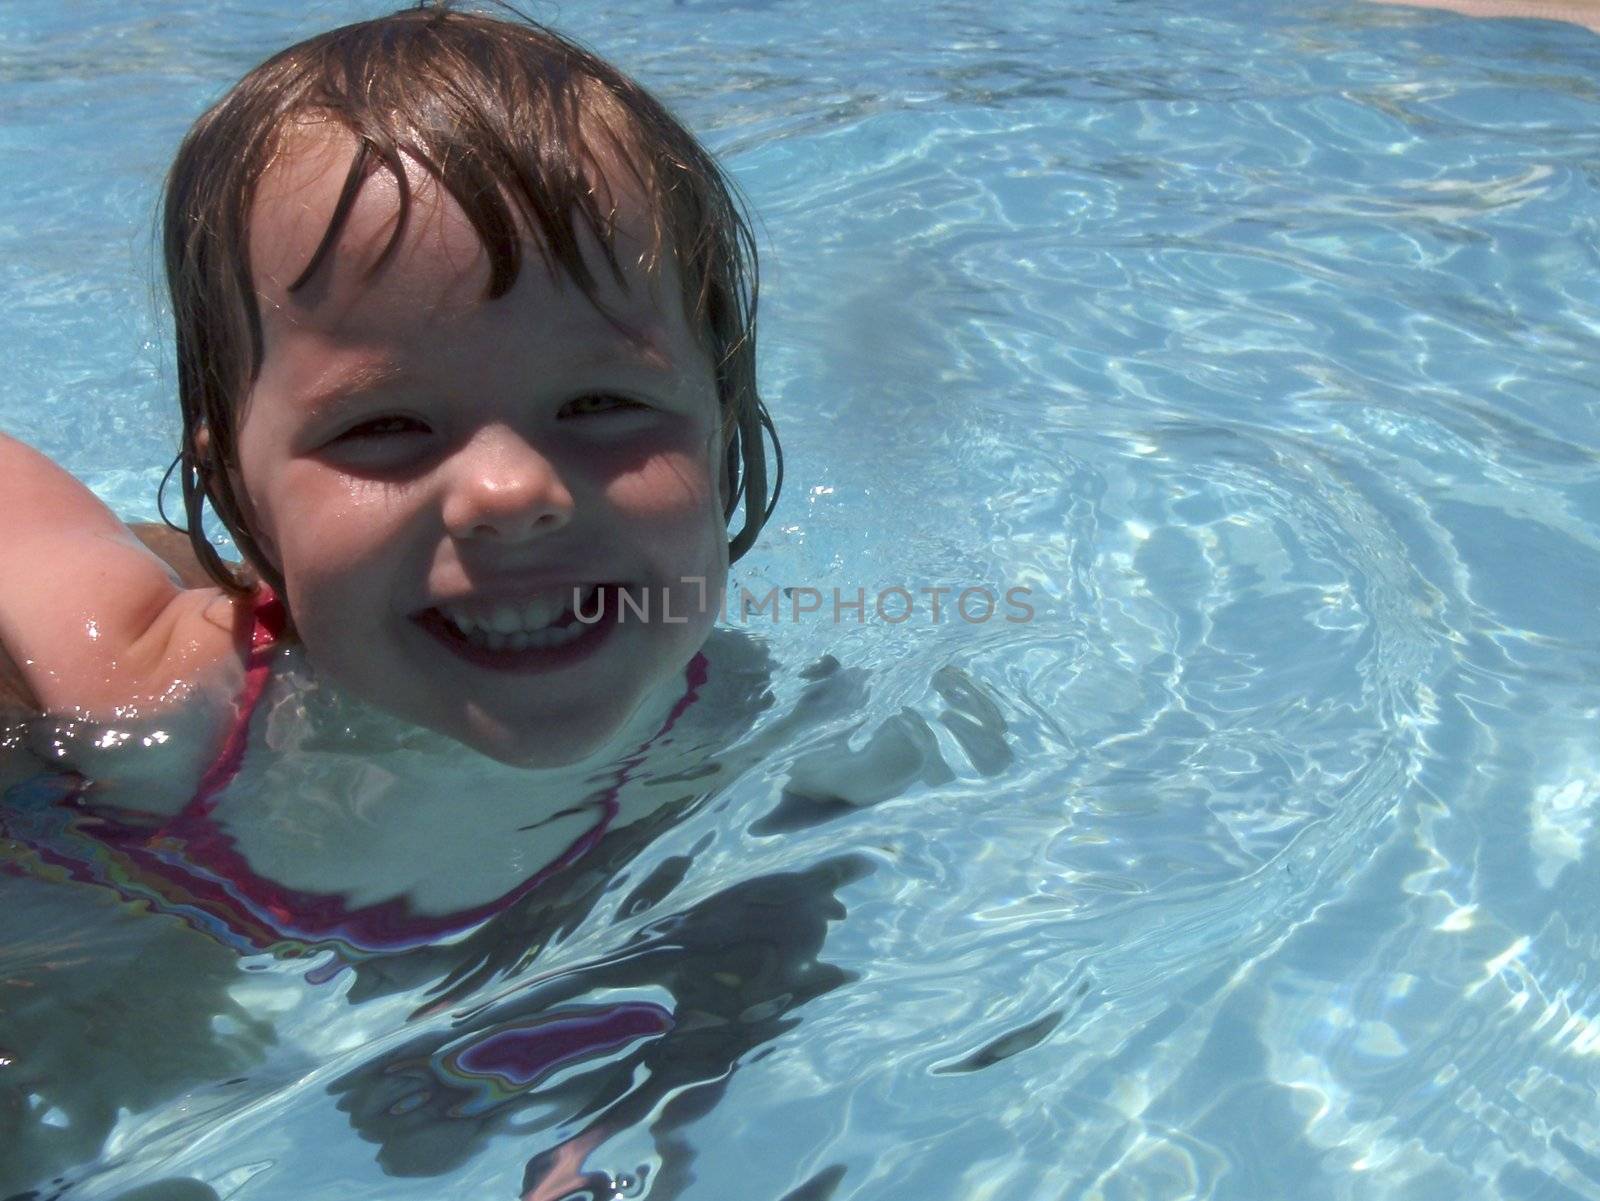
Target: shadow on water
735, 966
103, 1009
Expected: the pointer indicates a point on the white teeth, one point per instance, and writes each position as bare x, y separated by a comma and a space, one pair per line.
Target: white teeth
519, 627
537, 614
523, 640
557, 637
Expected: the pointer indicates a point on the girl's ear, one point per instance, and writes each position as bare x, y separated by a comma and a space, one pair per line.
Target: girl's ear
200, 443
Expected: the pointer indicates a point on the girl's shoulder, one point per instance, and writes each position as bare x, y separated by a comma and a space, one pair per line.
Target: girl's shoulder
179, 689
94, 621
189, 651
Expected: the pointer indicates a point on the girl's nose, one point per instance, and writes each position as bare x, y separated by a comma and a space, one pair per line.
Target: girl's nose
505, 489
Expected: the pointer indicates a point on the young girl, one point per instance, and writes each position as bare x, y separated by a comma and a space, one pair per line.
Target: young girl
466, 359
466, 346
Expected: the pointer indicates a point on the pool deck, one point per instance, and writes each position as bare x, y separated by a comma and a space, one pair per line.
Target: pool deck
1578, 12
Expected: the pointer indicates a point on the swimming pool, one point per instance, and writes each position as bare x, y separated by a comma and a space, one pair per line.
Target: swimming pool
1257, 341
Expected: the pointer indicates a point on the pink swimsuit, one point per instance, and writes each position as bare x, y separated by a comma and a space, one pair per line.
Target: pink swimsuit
187, 865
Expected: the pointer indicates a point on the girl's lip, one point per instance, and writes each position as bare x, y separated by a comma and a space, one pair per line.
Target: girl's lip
599, 621
483, 602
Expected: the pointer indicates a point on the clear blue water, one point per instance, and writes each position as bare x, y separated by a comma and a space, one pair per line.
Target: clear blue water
1259, 340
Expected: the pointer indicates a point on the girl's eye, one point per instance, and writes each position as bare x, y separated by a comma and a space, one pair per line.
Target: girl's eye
382, 427
586, 406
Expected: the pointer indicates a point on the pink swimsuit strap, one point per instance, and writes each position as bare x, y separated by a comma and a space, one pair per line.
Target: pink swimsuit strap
269, 619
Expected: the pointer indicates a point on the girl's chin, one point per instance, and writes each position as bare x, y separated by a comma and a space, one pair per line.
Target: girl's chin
548, 743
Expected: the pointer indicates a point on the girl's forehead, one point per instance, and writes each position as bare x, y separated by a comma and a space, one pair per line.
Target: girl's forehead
439, 257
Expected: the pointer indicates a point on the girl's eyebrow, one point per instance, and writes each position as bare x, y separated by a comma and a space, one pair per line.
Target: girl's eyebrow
364, 377
632, 352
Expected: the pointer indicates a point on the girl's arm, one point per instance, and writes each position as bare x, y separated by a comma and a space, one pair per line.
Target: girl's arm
16, 698
91, 620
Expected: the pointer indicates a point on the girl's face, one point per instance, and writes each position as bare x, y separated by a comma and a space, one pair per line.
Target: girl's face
424, 465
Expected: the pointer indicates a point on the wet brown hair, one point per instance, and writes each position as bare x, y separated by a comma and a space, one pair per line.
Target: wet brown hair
514, 121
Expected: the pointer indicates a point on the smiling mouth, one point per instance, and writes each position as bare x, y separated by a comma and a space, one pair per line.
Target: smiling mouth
542, 621
537, 634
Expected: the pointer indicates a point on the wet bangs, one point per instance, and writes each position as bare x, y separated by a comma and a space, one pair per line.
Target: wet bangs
529, 157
